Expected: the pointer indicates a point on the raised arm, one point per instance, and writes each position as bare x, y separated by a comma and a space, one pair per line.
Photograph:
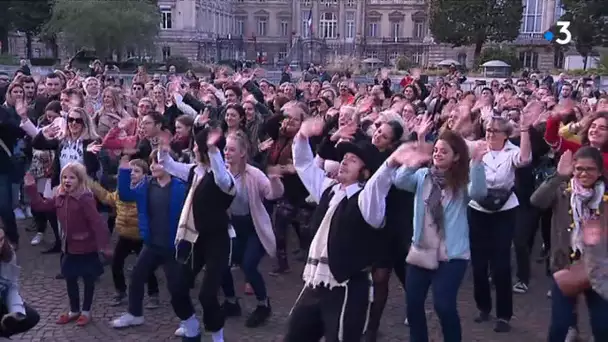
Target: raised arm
372, 199
175, 169
310, 174
223, 178
38, 202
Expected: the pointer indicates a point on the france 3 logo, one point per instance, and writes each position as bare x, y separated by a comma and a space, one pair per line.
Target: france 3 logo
564, 32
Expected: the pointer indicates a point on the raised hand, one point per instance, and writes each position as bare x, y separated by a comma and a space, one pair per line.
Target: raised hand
94, 148
531, 113
51, 131
203, 118
479, 150
345, 132
312, 127
565, 166
424, 127
409, 155
265, 145
21, 108
213, 139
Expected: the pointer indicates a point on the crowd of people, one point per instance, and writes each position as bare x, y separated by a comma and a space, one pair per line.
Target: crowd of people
202, 175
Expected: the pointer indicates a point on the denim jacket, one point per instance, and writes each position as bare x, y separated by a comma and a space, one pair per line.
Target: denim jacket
456, 222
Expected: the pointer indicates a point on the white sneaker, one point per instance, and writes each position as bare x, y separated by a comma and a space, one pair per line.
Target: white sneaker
28, 212
127, 320
37, 239
181, 331
19, 214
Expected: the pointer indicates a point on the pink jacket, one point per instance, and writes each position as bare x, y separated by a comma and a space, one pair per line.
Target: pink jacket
259, 187
83, 228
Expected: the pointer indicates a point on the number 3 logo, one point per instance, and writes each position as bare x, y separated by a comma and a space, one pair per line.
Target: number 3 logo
563, 29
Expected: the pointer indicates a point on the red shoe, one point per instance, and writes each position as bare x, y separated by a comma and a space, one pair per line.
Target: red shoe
67, 318
248, 289
83, 320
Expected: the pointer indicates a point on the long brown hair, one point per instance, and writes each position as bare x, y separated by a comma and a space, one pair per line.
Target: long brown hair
585, 133
457, 177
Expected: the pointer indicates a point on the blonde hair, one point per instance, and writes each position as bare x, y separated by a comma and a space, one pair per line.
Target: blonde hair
116, 100
242, 141
88, 131
79, 171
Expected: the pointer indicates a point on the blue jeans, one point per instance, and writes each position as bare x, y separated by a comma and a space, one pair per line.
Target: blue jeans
444, 282
248, 252
6, 208
563, 317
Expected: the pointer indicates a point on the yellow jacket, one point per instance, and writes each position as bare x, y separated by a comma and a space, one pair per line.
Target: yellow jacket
564, 132
126, 212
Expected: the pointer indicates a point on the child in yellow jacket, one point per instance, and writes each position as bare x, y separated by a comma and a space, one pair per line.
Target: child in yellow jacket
129, 240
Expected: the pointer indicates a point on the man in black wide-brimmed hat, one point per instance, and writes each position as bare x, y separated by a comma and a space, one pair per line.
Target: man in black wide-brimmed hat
337, 294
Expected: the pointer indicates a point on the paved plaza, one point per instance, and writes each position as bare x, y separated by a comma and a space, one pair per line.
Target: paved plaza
48, 296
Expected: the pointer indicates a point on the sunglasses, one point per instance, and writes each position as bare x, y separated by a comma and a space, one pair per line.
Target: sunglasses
76, 120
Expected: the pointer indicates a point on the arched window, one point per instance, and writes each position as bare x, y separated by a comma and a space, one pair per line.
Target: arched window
329, 25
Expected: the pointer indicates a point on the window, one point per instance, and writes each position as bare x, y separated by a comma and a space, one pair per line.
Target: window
166, 52
559, 10
395, 30
306, 3
350, 25
328, 25
529, 59
351, 3
393, 56
532, 16
372, 54
373, 29
165, 21
283, 53
240, 27
417, 58
262, 27
558, 59
284, 28
305, 24
419, 29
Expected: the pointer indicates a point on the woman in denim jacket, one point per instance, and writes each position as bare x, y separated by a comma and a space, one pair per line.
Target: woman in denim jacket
440, 251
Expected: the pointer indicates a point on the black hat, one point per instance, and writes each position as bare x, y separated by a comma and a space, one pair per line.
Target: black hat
363, 149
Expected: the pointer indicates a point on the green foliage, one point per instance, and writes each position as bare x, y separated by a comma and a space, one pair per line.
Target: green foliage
588, 24
507, 55
403, 63
475, 22
6, 59
181, 63
29, 16
106, 26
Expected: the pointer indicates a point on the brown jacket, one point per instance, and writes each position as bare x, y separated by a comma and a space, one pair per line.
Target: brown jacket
554, 194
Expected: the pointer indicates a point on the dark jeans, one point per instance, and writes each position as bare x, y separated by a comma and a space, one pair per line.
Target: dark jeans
529, 219
74, 293
148, 260
444, 282
284, 215
491, 235
31, 319
6, 209
124, 247
563, 317
213, 253
247, 252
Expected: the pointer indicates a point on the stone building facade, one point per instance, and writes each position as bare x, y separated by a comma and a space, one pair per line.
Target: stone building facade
320, 30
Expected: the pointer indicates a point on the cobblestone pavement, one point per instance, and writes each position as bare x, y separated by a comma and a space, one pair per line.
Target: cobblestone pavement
48, 296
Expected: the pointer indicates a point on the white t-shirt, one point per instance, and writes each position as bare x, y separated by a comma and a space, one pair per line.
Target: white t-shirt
71, 151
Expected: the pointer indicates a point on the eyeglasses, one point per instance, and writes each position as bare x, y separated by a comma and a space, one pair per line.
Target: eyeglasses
581, 169
75, 120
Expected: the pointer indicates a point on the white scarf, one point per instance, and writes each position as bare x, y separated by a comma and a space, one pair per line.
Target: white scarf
316, 272
583, 203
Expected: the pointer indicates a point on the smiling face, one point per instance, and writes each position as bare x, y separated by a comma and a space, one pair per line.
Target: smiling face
75, 124
598, 132
443, 155
586, 171
383, 137
233, 153
233, 119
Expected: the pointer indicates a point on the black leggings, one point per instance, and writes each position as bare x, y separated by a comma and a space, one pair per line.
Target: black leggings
74, 293
381, 277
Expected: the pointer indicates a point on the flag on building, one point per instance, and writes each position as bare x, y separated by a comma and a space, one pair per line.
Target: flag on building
309, 22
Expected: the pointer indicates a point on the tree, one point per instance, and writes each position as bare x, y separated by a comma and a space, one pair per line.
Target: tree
108, 27
475, 22
29, 17
588, 24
